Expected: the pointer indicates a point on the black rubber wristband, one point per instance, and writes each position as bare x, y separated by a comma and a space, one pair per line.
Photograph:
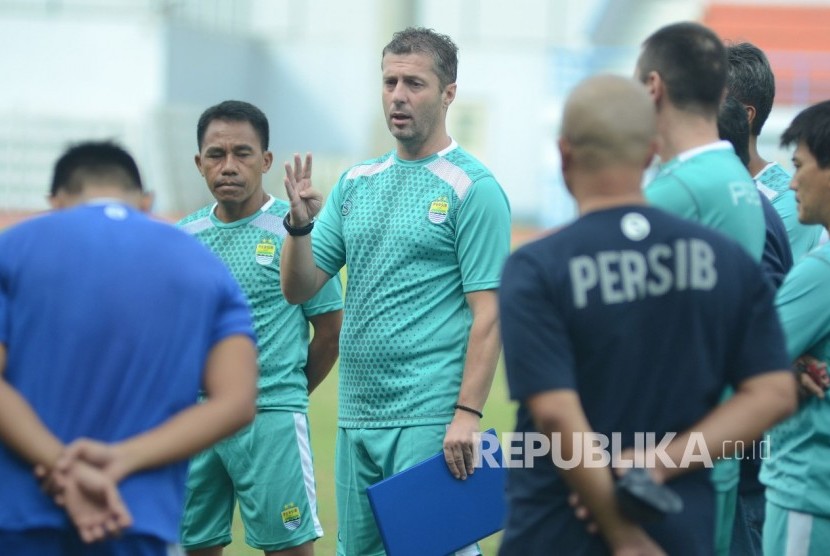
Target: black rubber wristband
292, 231
470, 410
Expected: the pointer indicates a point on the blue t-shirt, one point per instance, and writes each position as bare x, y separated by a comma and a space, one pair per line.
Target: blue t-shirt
647, 317
108, 317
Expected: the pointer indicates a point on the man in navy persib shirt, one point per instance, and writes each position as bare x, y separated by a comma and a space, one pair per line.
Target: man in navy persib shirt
629, 323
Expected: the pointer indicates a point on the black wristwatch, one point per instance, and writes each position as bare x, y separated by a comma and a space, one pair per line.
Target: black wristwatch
301, 231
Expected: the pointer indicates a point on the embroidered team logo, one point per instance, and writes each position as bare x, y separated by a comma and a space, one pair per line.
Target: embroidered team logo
635, 226
265, 251
291, 516
346, 208
438, 210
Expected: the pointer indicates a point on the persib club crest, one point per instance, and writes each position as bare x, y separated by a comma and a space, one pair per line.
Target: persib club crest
291, 516
438, 210
265, 251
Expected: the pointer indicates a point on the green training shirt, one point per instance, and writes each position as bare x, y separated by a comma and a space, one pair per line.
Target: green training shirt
774, 182
710, 185
251, 249
415, 237
797, 472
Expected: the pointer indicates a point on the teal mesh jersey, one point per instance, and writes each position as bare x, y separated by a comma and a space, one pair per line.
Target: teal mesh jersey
251, 249
415, 237
710, 185
797, 472
774, 182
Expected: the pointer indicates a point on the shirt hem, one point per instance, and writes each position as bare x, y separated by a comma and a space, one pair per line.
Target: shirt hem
480, 286
366, 423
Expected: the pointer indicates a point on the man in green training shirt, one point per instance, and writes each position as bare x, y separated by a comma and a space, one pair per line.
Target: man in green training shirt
684, 66
796, 473
751, 81
424, 231
267, 467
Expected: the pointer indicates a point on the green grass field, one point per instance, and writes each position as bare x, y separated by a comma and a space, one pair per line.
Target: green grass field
499, 413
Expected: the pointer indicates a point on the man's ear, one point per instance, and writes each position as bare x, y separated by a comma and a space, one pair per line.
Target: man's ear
54, 202
655, 86
198, 160
145, 203
60, 200
750, 114
448, 94
565, 154
268, 159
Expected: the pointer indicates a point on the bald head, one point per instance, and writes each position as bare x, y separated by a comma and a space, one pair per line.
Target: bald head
609, 120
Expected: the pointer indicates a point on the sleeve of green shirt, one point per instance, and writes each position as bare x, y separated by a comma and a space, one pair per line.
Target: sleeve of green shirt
803, 301
327, 237
483, 235
328, 299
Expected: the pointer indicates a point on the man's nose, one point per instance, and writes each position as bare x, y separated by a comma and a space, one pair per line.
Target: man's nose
229, 165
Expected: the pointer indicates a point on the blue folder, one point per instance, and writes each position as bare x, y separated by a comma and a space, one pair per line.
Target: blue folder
425, 511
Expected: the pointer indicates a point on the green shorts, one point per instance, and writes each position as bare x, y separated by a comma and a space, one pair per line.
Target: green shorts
725, 505
267, 469
725, 478
364, 457
792, 533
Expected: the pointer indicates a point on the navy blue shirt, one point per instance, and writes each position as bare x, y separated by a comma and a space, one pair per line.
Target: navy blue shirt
777, 259
647, 317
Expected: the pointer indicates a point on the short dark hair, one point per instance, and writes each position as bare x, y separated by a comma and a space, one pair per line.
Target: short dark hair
812, 127
94, 159
443, 50
234, 111
751, 81
733, 126
691, 61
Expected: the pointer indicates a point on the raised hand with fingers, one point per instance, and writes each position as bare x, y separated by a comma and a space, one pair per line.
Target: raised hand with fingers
305, 200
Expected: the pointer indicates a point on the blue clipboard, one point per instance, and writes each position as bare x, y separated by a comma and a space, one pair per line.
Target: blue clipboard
425, 511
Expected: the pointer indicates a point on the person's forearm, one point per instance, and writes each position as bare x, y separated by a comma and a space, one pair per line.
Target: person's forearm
560, 413
23, 431
299, 275
185, 434
483, 349
742, 418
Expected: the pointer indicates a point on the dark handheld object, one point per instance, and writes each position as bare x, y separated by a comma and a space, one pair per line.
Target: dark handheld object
644, 501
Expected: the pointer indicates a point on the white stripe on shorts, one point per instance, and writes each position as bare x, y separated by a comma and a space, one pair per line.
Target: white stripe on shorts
301, 432
799, 528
